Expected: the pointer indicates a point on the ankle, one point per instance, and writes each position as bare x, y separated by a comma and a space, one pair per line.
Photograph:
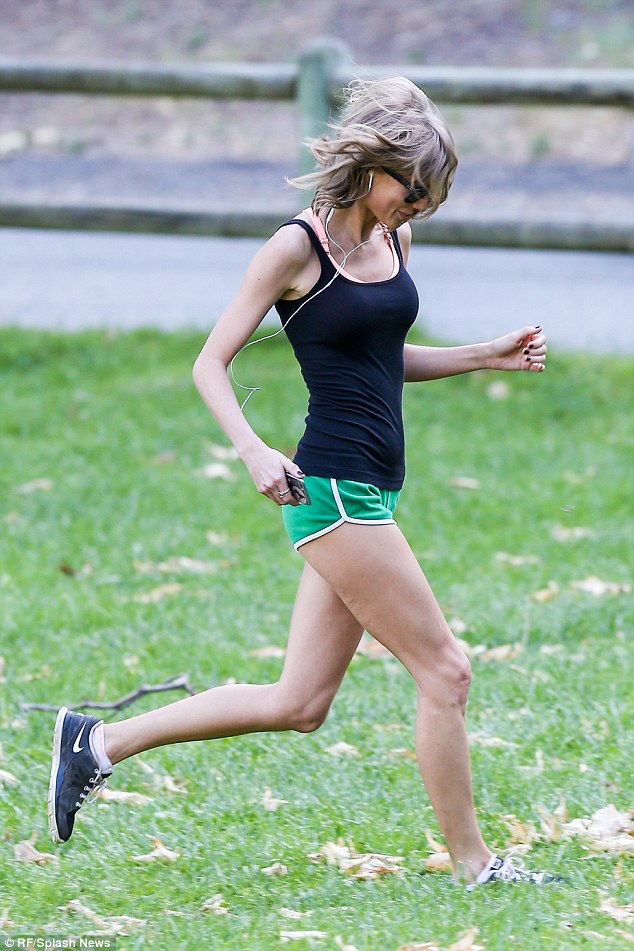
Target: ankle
467, 869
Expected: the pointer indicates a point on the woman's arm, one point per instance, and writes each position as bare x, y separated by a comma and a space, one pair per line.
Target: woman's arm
275, 269
523, 349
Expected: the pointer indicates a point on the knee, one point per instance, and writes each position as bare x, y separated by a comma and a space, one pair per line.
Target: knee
449, 679
300, 714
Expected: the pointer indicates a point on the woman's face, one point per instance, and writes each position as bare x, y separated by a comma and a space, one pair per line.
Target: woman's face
394, 199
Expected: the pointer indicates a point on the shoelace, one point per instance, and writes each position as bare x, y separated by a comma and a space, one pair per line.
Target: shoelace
511, 870
92, 792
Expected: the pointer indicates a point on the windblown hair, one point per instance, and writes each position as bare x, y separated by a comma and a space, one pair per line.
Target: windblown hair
385, 123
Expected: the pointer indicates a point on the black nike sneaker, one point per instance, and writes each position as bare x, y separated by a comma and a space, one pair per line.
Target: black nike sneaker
511, 869
75, 775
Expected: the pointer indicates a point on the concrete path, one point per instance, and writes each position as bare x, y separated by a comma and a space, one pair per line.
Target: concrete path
68, 281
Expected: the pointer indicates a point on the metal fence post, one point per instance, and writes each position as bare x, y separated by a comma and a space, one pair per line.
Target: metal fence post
319, 62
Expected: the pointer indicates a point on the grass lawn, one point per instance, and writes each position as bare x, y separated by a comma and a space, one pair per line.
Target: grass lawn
104, 445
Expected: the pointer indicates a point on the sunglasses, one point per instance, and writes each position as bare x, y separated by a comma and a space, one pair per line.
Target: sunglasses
414, 192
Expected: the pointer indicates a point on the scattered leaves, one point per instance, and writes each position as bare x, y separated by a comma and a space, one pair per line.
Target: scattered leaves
342, 749
216, 470
498, 390
225, 453
217, 904
618, 912
369, 647
176, 565
295, 915
466, 942
553, 822
522, 833
546, 594
300, 935
562, 533
277, 868
502, 652
270, 803
401, 751
366, 866
120, 795
481, 739
598, 588
25, 851
159, 853
7, 778
463, 482
342, 945
438, 862
272, 650
216, 538
516, 561
36, 485
608, 831
119, 924
157, 594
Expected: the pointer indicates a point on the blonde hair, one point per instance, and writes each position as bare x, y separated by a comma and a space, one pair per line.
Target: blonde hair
384, 123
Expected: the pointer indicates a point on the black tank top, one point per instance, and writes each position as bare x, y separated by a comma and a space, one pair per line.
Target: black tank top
349, 342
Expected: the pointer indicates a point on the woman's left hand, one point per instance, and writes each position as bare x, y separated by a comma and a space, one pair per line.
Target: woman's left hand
523, 349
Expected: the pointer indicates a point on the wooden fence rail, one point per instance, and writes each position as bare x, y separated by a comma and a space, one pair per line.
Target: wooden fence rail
315, 84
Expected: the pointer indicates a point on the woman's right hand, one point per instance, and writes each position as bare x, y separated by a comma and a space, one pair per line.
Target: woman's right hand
267, 467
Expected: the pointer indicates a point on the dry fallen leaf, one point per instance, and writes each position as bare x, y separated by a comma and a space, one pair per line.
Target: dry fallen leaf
502, 652
300, 935
628, 935
157, 594
216, 538
401, 751
341, 944
466, 942
481, 739
516, 561
271, 651
522, 833
119, 924
25, 851
159, 853
463, 482
618, 912
608, 831
549, 649
342, 749
217, 904
7, 778
457, 626
177, 564
365, 866
270, 803
169, 784
498, 390
562, 533
546, 594
369, 647
420, 946
216, 470
438, 862
433, 843
598, 588
119, 795
275, 869
552, 822
36, 485
295, 915
226, 453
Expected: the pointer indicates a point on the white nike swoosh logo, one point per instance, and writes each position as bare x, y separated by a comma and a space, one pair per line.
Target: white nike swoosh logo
76, 747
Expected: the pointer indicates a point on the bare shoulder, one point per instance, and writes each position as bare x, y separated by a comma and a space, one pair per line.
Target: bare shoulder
405, 237
291, 243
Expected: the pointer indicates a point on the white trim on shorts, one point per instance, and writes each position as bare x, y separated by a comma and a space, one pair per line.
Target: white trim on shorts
344, 518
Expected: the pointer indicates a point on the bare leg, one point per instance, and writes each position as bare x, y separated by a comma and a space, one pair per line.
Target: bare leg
323, 638
375, 573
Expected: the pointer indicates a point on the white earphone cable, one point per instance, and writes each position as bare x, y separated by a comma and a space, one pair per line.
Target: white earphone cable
251, 343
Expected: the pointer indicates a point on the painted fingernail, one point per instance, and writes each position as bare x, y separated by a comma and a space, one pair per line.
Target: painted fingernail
530, 346
528, 359
526, 350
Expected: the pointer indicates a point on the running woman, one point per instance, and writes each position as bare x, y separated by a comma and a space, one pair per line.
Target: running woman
337, 275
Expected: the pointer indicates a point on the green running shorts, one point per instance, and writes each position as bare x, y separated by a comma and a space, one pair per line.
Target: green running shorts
335, 501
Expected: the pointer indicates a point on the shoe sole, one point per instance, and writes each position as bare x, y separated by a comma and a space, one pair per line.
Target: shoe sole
52, 786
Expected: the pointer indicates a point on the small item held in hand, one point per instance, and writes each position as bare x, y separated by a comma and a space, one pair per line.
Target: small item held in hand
298, 489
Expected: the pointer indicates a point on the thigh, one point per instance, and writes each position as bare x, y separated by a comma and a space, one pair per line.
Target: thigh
375, 573
324, 635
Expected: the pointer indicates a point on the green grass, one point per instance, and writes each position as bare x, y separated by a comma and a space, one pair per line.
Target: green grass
114, 423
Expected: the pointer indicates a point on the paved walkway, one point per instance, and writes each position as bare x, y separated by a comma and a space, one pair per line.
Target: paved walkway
68, 280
